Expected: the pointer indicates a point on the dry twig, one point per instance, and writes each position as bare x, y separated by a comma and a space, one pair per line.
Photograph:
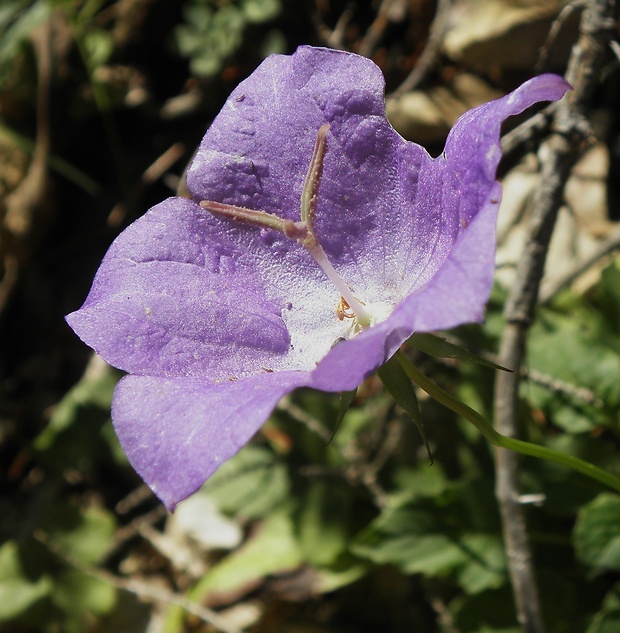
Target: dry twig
333, 38
360, 469
375, 31
152, 173
27, 206
605, 249
147, 591
569, 130
429, 55
554, 31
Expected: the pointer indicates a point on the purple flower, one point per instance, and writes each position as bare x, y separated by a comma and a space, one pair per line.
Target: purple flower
316, 241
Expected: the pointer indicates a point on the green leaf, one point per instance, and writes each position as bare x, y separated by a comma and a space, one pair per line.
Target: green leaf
18, 19
572, 352
323, 534
607, 620
272, 549
98, 47
452, 533
93, 393
488, 612
487, 430
421, 482
77, 594
261, 10
486, 563
17, 592
597, 533
476, 561
428, 554
411, 539
83, 535
346, 570
612, 599
439, 347
607, 296
251, 484
209, 37
345, 399
399, 386
344, 404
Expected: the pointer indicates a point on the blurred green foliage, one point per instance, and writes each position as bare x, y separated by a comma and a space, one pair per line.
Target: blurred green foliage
214, 29
17, 19
314, 504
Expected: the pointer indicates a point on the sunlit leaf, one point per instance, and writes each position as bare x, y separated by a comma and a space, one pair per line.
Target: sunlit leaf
607, 620
251, 484
272, 549
17, 591
439, 347
78, 594
83, 535
323, 533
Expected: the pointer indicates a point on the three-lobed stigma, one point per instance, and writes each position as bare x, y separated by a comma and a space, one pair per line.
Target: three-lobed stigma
302, 231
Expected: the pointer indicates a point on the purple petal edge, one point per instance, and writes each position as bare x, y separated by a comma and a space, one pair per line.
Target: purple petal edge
176, 432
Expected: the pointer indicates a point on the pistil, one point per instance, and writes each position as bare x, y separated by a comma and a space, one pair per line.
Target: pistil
303, 231
309, 193
245, 215
361, 314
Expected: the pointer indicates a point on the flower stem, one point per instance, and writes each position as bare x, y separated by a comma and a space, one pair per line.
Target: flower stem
495, 438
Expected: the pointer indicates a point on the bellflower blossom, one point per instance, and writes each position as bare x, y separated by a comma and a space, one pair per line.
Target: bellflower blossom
315, 242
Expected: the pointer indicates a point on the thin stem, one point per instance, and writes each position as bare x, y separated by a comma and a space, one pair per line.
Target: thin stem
429, 56
502, 441
550, 288
570, 129
376, 29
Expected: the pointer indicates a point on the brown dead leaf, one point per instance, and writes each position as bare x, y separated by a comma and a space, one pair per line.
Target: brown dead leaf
500, 35
427, 116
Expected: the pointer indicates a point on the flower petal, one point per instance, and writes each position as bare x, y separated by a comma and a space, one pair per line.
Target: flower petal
350, 362
459, 289
177, 431
379, 212
177, 296
473, 150
387, 214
